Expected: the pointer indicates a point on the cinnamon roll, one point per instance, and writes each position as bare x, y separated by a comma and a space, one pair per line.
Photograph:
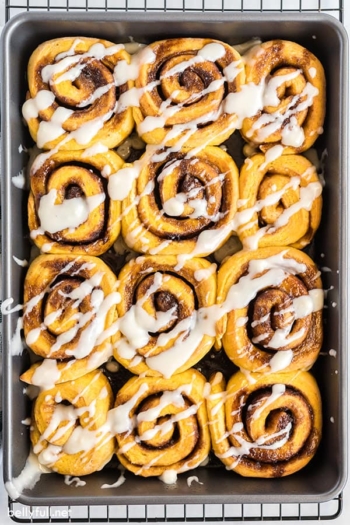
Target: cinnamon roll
161, 425
73, 101
69, 430
265, 426
69, 207
182, 92
181, 203
69, 303
271, 300
289, 88
280, 202
162, 314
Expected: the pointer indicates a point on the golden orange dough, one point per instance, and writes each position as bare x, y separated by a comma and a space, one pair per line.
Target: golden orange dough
187, 179
62, 173
270, 224
95, 73
265, 425
49, 288
178, 439
184, 75
269, 61
178, 290
249, 333
87, 402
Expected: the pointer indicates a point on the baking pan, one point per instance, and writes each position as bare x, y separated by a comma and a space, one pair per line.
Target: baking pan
325, 476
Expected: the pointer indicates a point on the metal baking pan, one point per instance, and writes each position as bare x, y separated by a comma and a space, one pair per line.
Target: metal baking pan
325, 476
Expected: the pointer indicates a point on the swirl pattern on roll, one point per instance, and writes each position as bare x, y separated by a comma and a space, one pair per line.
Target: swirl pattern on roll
280, 202
161, 424
290, 97
69, 430
183, 90
69, 207
181, 203
161, 314
73, 101
69, 305
265, 426
273, 299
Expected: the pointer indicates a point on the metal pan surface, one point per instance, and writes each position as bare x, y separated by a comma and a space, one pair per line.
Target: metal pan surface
325, 476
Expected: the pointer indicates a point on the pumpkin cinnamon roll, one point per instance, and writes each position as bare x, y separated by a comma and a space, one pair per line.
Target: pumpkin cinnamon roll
265, 426
69, 303
181, 203
182, 92
280, 202
70, 209
69, 429
289, 86
161, 425
73, 101
271, 300
162, 314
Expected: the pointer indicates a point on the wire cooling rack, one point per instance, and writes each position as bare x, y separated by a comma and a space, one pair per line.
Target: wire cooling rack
334, 7
175, 513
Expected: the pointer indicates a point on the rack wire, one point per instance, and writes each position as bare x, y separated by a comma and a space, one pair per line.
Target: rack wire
176, 513
333, 7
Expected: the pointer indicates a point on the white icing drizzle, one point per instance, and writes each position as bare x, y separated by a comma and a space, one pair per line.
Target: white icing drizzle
277, 391
115, 485
271, 155
27, 479
19, 180
71, 213
46, 374
191, 479
169, 477
95, 149
307, 195
281, 360
252, 99
20, 262
75, 481
204, 274
245, 446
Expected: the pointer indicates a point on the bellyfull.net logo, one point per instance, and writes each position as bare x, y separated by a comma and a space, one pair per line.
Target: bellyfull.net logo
35, 513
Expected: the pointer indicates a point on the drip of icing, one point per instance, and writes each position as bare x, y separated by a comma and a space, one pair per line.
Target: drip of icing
212, 52
95, 149
169, 477
191, 479
245, 103
75, 481
119, 417
20, 262
19, 181
312, 72
42, 100
119, 482
27, 479
123, 72
52, 129
71, 213
46, 374
271, 155
204, 274
232, 70
281, 360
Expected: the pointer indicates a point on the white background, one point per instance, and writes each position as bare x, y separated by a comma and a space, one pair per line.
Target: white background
344, 519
